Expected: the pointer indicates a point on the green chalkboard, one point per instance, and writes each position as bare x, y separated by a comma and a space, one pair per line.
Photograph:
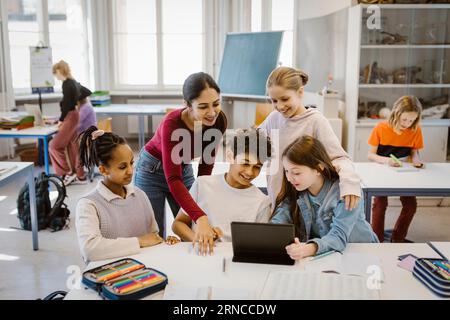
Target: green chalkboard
247, 61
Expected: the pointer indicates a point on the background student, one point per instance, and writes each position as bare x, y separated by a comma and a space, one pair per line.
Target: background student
291, 120
231, 196
162, 173
115, 219
401, 137
86, 111
310, 199
66, 139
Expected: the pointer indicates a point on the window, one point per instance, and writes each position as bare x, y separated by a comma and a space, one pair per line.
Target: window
276, 15
157, 43
66, 22
283, 19
23, 33
62, 27
256, 15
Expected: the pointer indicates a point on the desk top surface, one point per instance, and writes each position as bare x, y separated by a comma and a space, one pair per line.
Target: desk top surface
182, 266
13, 168
34, 131
433, 176
136, 109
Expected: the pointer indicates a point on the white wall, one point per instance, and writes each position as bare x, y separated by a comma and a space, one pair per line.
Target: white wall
316, 8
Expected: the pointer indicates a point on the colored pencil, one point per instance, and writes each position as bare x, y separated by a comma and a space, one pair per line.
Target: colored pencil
141, 285
396, 159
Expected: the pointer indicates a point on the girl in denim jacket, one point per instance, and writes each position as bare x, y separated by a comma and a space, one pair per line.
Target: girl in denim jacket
310, 199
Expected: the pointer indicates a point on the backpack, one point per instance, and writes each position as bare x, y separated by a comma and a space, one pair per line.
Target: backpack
56, 217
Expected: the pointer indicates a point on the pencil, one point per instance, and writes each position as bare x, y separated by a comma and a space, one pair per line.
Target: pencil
396, 159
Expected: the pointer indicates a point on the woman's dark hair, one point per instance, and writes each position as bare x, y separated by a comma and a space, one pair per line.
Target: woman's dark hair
251, 141
195, 84
310, 152
99, 151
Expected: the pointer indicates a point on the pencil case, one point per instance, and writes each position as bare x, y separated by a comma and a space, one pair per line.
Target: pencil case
125, 279
434, 274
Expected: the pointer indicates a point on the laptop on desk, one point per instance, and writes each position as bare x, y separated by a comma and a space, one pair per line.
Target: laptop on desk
262, 242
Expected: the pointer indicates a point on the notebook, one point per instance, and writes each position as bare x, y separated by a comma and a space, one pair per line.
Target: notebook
359, 264
183, 292
406, 167
4, 169
300, 285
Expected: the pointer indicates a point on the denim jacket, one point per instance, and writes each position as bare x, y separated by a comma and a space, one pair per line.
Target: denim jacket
327, 222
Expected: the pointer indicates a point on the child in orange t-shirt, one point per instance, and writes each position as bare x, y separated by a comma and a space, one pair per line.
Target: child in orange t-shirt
402, 137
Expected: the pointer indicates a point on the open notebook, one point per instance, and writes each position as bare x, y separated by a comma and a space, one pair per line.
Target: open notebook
182, 292
300, 285
359, 264
406, 167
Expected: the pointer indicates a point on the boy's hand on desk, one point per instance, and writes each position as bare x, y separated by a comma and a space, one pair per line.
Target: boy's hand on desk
149, 240
299, 250
351, 201
171, 240
218, 233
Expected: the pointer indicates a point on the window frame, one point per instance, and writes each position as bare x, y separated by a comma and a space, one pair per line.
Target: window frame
266, 23
160, 87
43, 21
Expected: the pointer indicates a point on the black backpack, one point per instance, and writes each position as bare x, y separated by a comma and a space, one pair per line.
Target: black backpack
56, 217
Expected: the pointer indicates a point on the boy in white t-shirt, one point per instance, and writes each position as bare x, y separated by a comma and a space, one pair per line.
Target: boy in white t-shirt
231, 196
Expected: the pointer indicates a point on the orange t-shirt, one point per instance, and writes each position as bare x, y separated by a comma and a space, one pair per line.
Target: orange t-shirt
389, 142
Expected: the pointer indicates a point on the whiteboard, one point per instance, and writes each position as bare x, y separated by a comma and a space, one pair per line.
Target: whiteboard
247, 61
41, 64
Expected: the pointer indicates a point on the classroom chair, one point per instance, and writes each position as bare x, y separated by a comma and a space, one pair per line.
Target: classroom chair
262, 111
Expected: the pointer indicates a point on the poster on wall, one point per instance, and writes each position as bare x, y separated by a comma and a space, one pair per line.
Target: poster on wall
41, 63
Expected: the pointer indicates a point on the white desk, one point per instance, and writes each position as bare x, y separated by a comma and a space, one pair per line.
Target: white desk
41, 133
186, 268
24, 169
140, 110
380, 180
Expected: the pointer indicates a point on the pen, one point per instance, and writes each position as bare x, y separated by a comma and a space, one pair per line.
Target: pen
436, 250
223, 265
396, 159
323, 255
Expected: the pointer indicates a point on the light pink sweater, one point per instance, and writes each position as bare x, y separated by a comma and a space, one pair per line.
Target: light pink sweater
284, 131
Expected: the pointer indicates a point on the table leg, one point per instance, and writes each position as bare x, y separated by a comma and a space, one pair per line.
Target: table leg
141, 131
33, 211
46, 160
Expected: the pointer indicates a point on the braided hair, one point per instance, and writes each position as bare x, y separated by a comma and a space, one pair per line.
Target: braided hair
98, 151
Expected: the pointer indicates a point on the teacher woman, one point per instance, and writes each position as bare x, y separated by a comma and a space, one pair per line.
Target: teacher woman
163, 170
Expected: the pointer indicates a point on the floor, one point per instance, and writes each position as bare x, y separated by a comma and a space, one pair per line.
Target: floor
28, 274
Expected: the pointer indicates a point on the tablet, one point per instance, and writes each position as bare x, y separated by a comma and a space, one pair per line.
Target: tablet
262, 242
